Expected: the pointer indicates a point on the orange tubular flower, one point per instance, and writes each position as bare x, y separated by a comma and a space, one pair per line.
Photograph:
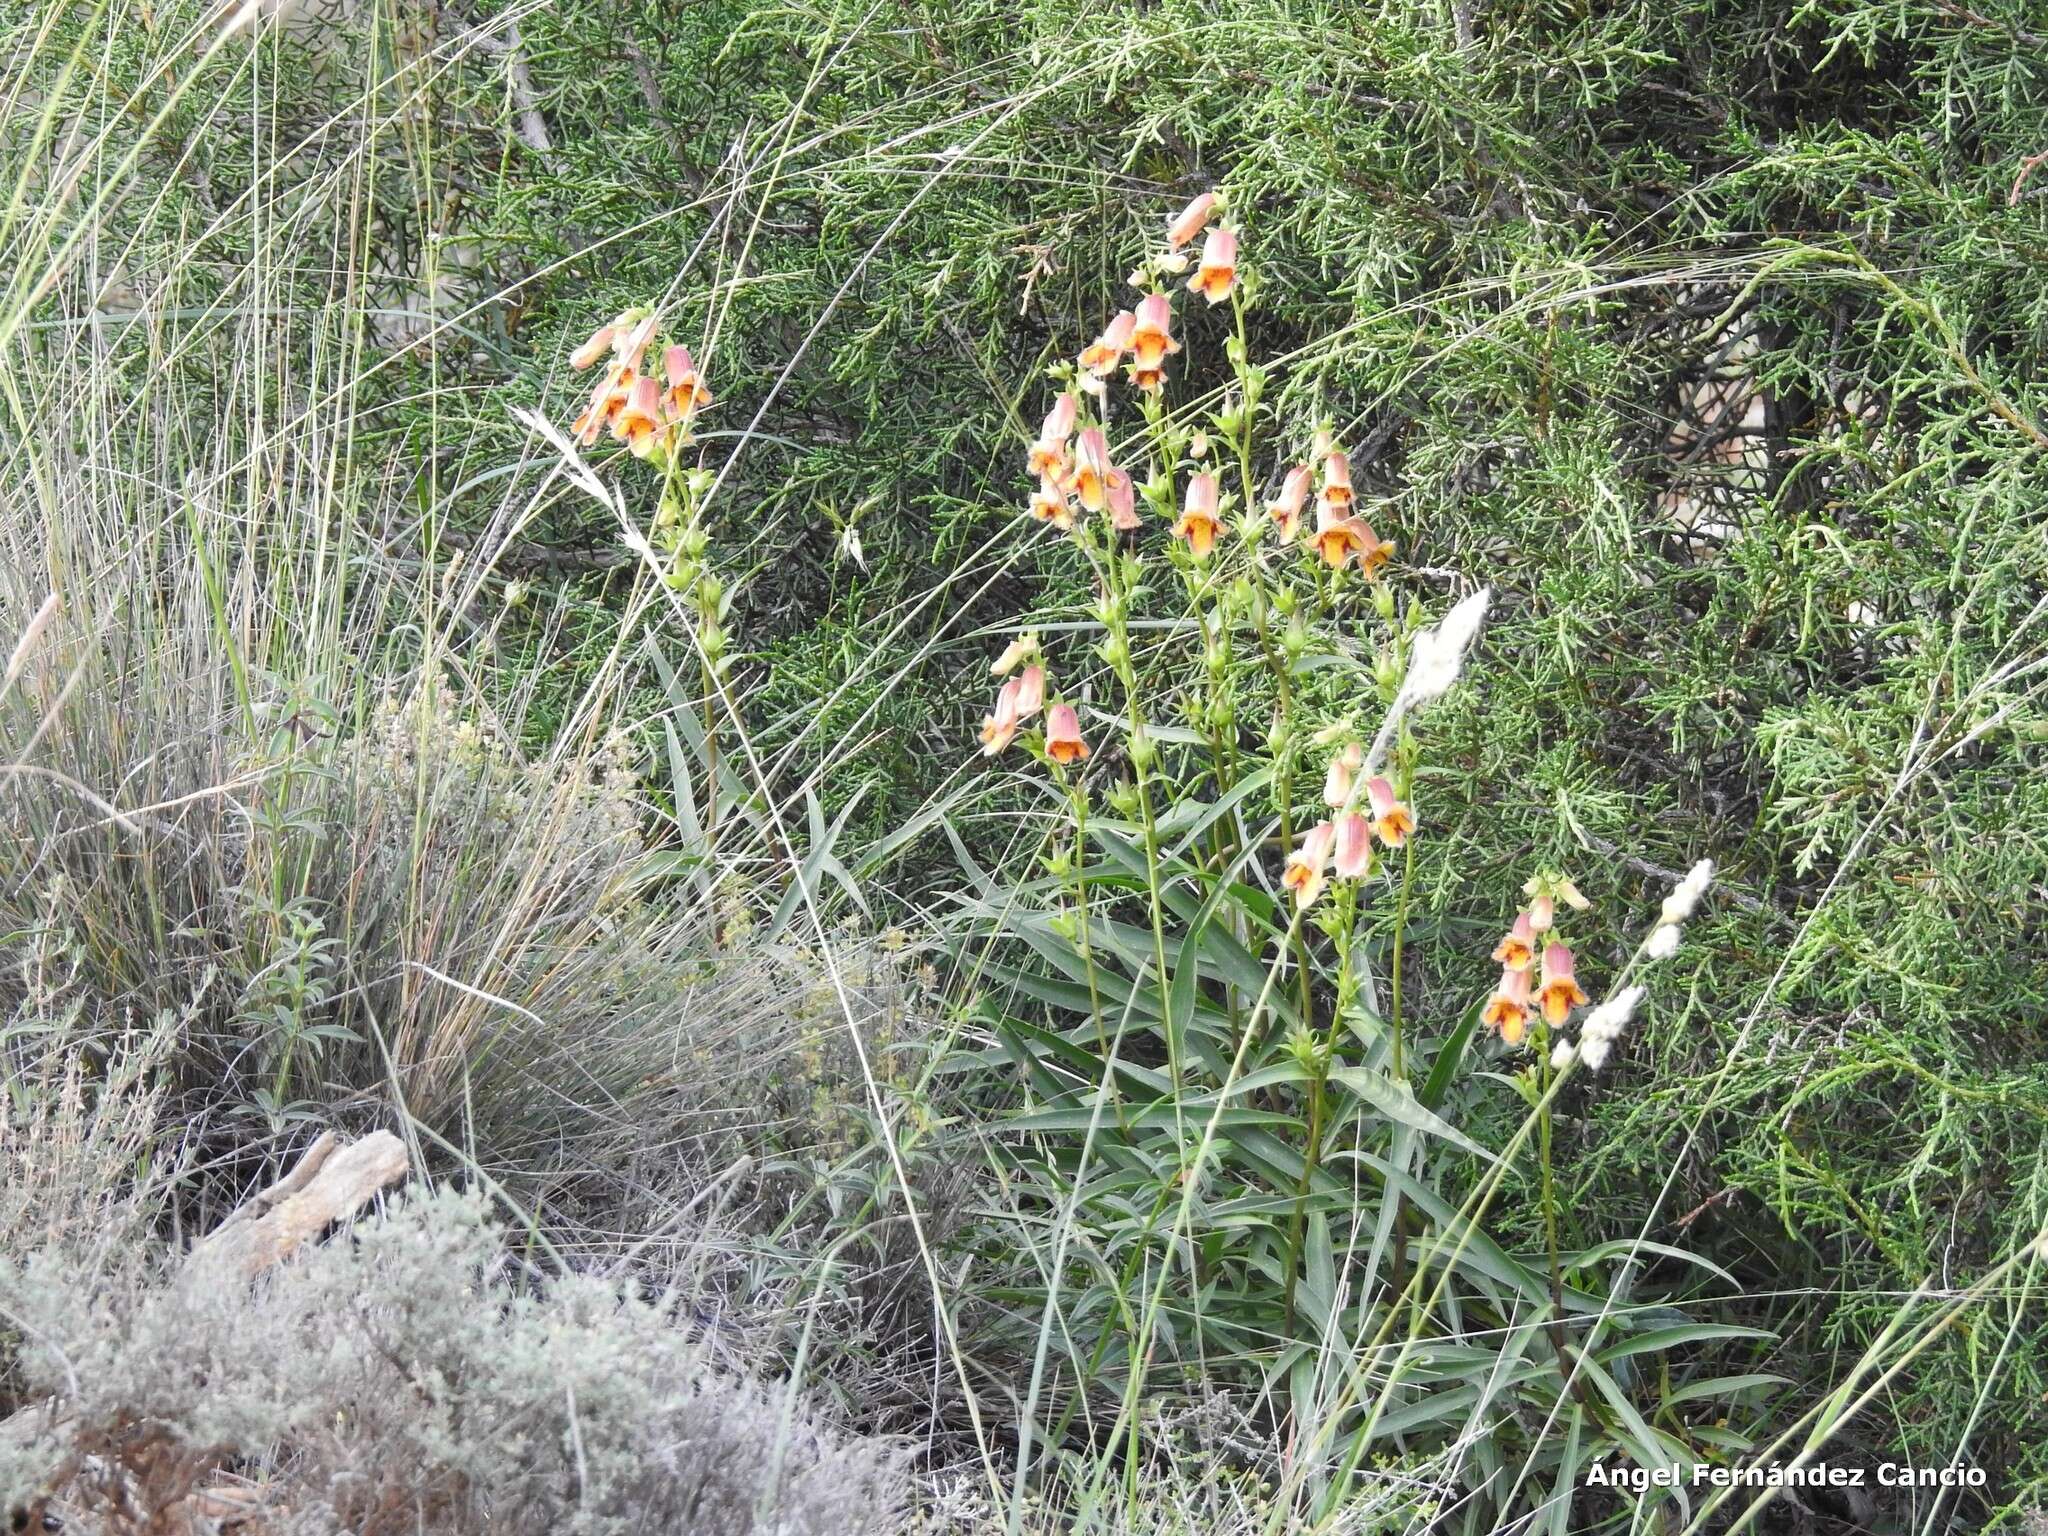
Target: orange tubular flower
1337, 537
639, 425
1337, 781
1198, 523
1285, 509
1152, 332
1049, 505
686, 394
1353, 849
1190, 221
1063, 743
1517, 947
596, 413
1101, 356
1373, 551
1542, 912
1303, 873
1392, 821
1048, 458
600, 343
1093, 473
1508, 1009
1000, 729
1560, 992
1337, 480
1217, 273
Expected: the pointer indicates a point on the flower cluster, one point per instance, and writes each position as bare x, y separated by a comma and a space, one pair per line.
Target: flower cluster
1203, 477
1070, 462
1533, 978
647, 414
1343, 844
1021, 697
1537, 969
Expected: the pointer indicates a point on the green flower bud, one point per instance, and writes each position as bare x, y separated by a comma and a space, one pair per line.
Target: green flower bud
1295, 640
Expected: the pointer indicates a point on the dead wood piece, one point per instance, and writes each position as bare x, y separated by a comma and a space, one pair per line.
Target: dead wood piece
331, 1182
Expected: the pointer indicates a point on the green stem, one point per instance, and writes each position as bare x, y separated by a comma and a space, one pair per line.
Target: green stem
1400, 946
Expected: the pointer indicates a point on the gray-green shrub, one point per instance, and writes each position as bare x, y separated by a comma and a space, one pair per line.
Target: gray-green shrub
410, 1376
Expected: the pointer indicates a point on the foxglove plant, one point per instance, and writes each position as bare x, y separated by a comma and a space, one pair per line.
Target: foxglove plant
1238, 804
1195, 808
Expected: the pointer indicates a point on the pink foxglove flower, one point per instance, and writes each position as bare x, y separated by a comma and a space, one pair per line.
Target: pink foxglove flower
1190, 221
1063, 743
1285, 509
1101, 355
686, 394
1303, 874
639, 425
998, 730
1093, 473
1049, 505
1560, 992
1353, 848
1338, 536
600, 343
1198, 523
1507, 1011
1030, 691
1048, 458
629, 347
1392, 822
1337, 480
1152, 331
1517, 948
1123, 503
1338, 778
1216, 275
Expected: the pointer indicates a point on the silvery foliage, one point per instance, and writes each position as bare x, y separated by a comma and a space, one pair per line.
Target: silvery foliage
410, 1376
